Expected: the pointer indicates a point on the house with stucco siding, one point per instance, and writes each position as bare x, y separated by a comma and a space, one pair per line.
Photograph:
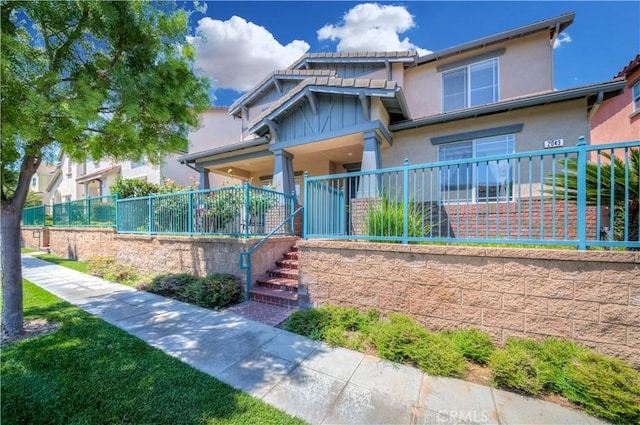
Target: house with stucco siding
618, 119
332, 113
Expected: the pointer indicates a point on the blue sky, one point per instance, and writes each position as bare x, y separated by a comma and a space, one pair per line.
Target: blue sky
239, 43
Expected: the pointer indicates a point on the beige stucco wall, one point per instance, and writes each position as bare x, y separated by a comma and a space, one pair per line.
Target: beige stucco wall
567, 120
592, 297
525, 68
218, 128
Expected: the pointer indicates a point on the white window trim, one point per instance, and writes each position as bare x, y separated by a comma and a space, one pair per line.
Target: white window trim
635, 98
474, 178
468, 82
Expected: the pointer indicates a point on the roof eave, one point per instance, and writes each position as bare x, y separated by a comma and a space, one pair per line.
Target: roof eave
543, 99
192, 158
563, 22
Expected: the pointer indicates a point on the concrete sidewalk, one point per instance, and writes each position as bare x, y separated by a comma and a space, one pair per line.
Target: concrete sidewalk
305, 378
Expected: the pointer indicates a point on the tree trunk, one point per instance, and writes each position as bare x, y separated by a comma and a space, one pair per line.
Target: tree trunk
11, 271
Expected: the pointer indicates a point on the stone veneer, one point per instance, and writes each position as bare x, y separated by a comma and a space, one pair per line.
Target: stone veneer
168, 254
592, 297
35, 237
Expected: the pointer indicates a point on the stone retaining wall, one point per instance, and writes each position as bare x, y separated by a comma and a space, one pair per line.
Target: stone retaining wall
35, 237
592, 297
155, 254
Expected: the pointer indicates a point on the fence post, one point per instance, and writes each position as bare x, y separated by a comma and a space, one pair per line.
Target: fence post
115, 200
305, 210
582, 193
405, 201
69, 213
150, 210
247, 218
293, 208
191, 212
88, 219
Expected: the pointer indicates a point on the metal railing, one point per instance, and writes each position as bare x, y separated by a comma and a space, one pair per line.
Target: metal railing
99, 211
240, 211
245, 257
565, 196
35, 216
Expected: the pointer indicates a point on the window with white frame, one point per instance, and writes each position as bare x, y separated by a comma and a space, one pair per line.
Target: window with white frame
477, 180
636, 97
471, 85
267, 182
34, 182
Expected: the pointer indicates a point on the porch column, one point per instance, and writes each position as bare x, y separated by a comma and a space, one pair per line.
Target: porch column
204, 178
283, 172
371, 160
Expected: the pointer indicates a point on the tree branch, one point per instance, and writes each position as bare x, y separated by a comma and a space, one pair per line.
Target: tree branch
75, 34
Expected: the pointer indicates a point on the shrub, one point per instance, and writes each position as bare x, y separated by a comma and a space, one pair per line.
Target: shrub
517, 367
604, 386
169, 285
216, 290
100, 265
474, 345
401, 339
106, 267
337, 326
309, 323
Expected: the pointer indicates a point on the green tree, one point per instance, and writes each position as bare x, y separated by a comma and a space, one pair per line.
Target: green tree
606, 185
101, 78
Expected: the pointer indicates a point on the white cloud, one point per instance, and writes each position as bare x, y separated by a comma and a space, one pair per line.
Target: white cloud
238, 54
372, 27
562, 38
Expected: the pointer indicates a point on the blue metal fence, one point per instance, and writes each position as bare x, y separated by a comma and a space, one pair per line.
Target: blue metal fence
242, 211
34, 216
568, 196
98, 211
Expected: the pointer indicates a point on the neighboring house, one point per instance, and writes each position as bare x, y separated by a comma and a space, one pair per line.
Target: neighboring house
218, 130
618, 119
341, 112
41, 179
73, 180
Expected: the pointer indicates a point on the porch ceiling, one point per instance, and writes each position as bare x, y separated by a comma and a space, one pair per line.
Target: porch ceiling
342, 150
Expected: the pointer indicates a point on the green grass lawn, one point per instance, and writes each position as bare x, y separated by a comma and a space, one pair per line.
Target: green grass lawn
80, 266
27, 250
89, 372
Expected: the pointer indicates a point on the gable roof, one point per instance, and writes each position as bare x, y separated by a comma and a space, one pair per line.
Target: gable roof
554, 25
287, 74
336, 85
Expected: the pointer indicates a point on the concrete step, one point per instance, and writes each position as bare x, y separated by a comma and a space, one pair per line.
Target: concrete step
274, 296
293, 255
278, 283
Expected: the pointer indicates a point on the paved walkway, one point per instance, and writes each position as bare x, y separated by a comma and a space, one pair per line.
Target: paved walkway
305, 378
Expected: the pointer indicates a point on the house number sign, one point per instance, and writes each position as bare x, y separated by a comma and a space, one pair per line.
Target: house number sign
555, 143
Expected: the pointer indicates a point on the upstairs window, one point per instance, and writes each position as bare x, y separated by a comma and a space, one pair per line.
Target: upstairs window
471, 85
636, 97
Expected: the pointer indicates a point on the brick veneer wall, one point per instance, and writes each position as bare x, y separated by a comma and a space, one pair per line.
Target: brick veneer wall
35, 237
592, 297
168, 254
460, 220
